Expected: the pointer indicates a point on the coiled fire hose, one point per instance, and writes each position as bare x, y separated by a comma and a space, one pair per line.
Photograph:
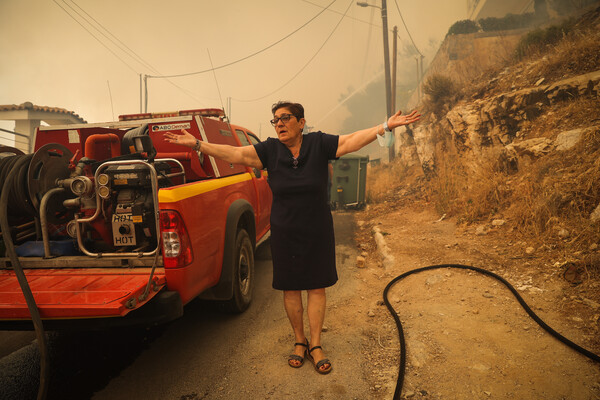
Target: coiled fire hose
7, 187
400, 381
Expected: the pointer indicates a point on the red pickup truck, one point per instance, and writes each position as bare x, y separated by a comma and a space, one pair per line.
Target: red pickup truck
114, 226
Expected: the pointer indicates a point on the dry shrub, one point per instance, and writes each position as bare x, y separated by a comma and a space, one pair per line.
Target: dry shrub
578, 53
575, 50
487, 193
463, 27
472, 192
539, 40
442, 92
386, 180
565, 116
560, 191
557, 191
446, 184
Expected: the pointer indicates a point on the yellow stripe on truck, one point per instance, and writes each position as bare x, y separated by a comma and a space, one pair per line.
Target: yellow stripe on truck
186, 191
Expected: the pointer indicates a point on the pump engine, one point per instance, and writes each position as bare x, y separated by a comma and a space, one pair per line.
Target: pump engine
109, 206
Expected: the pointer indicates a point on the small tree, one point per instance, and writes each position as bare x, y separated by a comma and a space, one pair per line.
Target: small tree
464, 26
441, 91
536, 40
509, 21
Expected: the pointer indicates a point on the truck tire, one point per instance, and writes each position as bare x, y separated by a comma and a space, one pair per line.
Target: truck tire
243, 274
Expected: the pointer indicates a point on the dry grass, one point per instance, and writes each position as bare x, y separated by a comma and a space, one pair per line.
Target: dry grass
385, 180
557, 191
471, 193
394, 183
580, 112
577, 53
560, 191
548, 196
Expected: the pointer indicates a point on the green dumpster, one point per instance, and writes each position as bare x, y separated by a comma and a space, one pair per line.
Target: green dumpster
349, 181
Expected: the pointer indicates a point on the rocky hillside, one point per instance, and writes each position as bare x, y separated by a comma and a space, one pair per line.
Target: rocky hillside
519, 149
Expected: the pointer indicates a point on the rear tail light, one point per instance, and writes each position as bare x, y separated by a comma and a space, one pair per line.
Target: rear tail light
177, 251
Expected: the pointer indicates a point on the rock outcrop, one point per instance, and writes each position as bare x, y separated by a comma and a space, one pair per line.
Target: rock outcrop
492, 125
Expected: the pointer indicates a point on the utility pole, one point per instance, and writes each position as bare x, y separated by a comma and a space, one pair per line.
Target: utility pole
386, 62
386, 58
145, 93
141, 93
229, 109
392, 150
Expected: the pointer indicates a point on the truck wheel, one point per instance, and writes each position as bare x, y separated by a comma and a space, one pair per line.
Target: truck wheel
243, 274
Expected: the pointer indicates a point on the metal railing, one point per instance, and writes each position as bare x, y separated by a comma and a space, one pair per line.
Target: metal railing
15, 139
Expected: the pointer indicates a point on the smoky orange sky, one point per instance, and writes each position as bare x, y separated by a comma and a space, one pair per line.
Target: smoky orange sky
50, 59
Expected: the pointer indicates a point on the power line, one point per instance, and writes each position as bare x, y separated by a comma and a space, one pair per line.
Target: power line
405, 46
407, 31
249, 56
360, 88
305, 65
136, 57
128, 50
362, 75
337, 12
94, 36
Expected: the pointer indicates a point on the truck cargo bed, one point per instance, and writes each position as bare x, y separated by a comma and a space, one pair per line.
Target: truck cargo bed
78, 293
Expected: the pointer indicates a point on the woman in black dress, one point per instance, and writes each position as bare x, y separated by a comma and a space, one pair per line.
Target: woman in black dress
302, 237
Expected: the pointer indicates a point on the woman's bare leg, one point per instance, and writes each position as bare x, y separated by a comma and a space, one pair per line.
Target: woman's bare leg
292, 301
316, 316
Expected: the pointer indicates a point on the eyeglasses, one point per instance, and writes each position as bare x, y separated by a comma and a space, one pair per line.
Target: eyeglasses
284, 118
294, 162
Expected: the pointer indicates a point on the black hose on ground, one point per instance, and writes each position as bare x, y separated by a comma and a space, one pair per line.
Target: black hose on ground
22, 279
400, 381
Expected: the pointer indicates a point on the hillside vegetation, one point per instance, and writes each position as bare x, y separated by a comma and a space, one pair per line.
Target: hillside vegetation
510, 168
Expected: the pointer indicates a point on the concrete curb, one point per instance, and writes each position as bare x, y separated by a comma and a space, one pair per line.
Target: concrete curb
388, 259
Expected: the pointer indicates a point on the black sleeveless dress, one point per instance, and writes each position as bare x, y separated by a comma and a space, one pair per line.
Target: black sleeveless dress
302, 237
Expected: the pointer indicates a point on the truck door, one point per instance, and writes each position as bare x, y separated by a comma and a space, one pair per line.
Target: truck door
263, 190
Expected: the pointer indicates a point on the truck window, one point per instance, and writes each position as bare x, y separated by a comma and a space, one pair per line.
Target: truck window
253, 139
242, 137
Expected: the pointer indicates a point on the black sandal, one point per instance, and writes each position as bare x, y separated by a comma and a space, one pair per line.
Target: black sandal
295, 357
320, 363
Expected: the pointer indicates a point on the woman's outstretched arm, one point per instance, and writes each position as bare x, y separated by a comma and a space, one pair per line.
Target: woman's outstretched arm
245, 155
359, 139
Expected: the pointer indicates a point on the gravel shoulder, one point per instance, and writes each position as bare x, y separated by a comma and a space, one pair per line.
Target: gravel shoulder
466, 334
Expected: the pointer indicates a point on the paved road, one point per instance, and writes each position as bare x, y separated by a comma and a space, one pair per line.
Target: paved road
203, 355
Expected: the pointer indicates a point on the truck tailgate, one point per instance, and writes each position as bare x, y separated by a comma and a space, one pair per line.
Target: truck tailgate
78, 293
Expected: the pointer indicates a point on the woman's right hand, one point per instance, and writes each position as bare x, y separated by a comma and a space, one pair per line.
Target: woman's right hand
184, 139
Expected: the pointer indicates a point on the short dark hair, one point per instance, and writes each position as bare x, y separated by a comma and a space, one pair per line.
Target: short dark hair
296, 108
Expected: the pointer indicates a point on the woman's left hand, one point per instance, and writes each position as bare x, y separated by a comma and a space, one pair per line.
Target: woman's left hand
398, 119
184, 138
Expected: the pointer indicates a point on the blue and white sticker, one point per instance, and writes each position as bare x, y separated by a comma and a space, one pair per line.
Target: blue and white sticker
171, 127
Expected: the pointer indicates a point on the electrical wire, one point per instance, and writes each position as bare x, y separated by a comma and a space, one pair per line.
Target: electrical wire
305, 65
217, 83
123, 46
533, 315
116, 42
364, 68
407, 31
94, 36
357, 90
339, 13
248, 56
